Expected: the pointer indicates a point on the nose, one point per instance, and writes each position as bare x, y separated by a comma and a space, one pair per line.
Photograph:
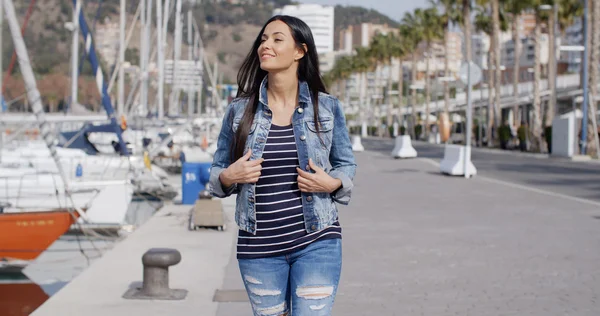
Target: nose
266, 44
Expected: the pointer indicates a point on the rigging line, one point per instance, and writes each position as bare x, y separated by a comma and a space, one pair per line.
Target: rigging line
116, 65
13, 58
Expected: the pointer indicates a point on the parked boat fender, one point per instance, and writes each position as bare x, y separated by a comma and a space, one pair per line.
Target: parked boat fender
79, 170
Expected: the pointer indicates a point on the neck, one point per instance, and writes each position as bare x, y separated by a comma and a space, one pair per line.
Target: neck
282, 89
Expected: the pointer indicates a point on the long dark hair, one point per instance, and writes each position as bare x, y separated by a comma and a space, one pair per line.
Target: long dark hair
251, 75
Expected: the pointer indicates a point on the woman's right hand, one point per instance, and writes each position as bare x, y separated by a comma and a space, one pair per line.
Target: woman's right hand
242, 171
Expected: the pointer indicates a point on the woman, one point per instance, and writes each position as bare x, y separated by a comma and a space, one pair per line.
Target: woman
285, 150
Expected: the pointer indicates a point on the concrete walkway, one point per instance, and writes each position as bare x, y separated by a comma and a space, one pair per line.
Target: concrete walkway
415, 243
419, 243
99, 289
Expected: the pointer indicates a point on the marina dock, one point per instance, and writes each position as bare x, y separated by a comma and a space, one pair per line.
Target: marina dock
415, 243
99, 289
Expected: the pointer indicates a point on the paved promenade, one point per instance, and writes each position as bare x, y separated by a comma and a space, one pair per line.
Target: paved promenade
415, 243
419, 243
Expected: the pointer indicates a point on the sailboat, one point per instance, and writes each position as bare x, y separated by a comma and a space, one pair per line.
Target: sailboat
25, 235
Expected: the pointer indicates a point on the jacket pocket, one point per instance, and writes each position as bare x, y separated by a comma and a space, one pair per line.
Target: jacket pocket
325, 125
324, 137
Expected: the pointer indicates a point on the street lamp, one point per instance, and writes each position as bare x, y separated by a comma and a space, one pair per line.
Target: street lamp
586, 53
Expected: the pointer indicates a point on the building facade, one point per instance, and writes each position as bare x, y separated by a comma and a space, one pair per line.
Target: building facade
360, 35
320, 20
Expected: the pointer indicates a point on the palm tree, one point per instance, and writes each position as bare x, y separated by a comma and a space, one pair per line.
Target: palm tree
451, 14
536, 127
515, 8
380, 54
396, 50
362, 63
498, 80
431, 27
412, 34
491, 20
483, 23
592, 131
465, 6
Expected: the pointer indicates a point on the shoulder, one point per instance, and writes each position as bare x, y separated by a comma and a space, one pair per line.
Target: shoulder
329, 103
238, 105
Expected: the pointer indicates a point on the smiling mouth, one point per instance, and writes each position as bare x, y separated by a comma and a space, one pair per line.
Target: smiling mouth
264, 56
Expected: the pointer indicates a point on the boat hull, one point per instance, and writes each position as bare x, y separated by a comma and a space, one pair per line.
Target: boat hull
25, 235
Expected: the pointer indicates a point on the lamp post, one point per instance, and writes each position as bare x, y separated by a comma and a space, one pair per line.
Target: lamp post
586, 53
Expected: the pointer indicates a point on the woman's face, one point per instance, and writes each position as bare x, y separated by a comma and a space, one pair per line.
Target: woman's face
278, 50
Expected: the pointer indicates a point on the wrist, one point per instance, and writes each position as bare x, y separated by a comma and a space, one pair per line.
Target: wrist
335, 184
225, 179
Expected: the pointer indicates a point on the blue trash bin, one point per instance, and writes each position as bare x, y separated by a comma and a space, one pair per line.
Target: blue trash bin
194, 177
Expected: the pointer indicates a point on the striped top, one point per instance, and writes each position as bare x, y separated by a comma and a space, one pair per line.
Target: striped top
280, 227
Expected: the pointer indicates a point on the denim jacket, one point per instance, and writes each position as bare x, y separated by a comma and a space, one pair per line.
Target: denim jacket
332, 152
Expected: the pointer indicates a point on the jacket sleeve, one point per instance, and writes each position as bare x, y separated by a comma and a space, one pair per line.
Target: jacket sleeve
222, 157
341, 157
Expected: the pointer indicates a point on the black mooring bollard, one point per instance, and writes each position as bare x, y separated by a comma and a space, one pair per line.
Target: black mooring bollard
155, 286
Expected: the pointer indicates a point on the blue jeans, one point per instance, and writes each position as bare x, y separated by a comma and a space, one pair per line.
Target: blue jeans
304, 282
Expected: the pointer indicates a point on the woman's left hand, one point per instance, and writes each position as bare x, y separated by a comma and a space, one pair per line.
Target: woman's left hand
316, 182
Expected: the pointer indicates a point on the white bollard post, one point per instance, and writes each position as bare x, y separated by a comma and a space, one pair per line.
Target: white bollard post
404, 148
357, 144
454, 162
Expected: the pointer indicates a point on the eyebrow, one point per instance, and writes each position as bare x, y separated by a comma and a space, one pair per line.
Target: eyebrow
274, 34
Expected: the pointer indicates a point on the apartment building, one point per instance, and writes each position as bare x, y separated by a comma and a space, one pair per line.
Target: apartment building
320, 20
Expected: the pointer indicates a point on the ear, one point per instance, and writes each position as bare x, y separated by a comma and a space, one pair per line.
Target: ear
300, 52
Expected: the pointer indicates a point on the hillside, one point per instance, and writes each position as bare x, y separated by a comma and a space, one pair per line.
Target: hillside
228, 31
229, 40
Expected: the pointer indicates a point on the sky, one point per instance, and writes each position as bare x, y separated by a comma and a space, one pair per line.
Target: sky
393, 8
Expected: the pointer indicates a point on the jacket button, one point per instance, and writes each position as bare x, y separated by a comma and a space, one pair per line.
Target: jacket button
302, 137
300, 110
307, 168
313, 227
309, 198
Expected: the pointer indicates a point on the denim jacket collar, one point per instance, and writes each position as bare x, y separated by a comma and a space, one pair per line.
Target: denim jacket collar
303, 93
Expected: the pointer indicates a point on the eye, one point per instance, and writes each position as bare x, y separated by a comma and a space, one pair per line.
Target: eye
278, 40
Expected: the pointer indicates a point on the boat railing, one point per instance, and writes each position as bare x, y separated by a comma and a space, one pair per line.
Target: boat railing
14, 195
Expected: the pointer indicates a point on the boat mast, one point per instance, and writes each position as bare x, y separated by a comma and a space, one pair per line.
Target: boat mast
75, 53
161, 57
33, 94
121, 92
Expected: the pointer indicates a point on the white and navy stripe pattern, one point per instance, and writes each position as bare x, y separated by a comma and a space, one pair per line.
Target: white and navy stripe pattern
280, 227
100, 83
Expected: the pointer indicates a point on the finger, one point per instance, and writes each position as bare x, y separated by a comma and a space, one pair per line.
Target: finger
246, 156
304, 174
251, 179
302, 187
304, 181
313, 166
253, 168
255, 162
